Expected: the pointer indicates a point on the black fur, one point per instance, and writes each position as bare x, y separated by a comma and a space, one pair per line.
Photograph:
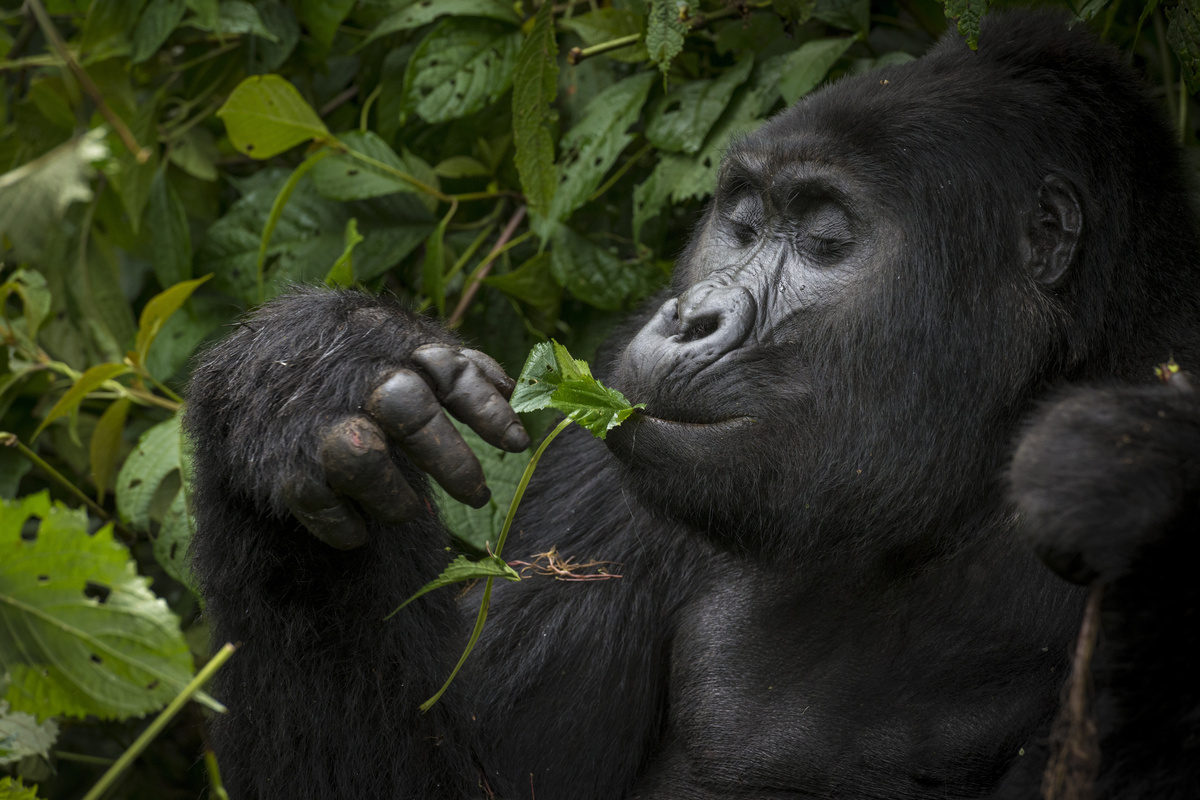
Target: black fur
822, 592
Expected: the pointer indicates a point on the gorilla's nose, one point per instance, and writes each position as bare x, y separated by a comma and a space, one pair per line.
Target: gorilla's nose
717, 318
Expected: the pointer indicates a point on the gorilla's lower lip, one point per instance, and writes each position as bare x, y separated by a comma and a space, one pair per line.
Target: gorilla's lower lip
658, 442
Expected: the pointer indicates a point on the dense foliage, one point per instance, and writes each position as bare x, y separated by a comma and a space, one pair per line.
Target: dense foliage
524, 169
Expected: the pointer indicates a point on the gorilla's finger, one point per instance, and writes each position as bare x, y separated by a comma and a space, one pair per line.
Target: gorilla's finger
473, 396
410, 415
357, 464
494, 372
326, 517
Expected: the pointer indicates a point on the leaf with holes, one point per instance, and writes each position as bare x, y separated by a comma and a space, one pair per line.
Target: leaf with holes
680, 121
265, 116
460, 67
422, 12
591, 147
534, 90
80, 631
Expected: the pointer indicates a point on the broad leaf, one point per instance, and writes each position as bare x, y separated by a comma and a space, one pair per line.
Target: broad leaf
597, 276
321, 18
21, 736
809, 65
342, 272
34, 196
591, 147
464, 569
1184, 35
535, 84
88, 382
666, 28
552, 378
169, 232
681, 120
158, 310
967, 13
265, 116
533, 282
105, 446
420, 12
80, 631
460, 67
344, 177
158, 19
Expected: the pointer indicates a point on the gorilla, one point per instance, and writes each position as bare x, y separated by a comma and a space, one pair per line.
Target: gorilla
914, 334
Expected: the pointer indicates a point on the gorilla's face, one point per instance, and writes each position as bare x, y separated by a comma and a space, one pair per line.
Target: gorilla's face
850, 337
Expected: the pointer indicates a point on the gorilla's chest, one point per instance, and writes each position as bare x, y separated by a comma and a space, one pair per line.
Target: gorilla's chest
774, 691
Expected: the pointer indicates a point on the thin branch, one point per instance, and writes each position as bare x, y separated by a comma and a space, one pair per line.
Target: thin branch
142, 154
473, 283
338, 101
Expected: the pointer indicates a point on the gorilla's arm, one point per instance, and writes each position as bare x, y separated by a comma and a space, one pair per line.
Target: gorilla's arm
1108, 483
323, 694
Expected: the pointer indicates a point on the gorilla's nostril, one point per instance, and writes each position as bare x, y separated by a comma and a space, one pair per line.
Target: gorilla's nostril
700, 328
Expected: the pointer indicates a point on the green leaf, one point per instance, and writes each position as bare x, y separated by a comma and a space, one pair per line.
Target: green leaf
88, 382
422, 12
967, 13
808, 66
321, 19
13, 789
158, 309
266, 116
342, 271
82, 633
606, 24
461, 167
158, 19
35, 196
552, 378
106, 444
591, 147
308, 237
131, 178
535, 84
460, 66
533, 283
1183, 33
35, 296
196, 154
169, 233
853, 15
344, 177
798, 11
235, 17
464, 569
22, 736
595, 275
666, 28
156, 459
680, 121
269, 54
433, 270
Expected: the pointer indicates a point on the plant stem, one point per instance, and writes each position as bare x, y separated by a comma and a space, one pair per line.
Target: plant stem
478, 275
277, 212
142, 154
11, 440
620, 173
577, 54
154, 728
481, 617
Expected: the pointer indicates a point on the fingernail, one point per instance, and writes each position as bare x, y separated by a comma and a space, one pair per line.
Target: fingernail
515, 438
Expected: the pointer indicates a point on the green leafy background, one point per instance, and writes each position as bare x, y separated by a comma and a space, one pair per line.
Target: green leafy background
525, 170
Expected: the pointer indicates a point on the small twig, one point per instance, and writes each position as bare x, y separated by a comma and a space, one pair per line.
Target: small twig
142, 154
577, 54
476, 277
338, 101
11, 440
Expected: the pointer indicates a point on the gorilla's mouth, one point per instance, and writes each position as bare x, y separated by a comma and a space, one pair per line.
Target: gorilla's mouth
659, 441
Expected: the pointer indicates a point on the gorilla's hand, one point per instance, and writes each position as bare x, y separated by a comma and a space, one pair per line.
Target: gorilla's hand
1105, 474
406, 410
329, 406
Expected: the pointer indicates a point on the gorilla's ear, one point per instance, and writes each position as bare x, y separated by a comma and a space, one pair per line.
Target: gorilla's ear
1052, 230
